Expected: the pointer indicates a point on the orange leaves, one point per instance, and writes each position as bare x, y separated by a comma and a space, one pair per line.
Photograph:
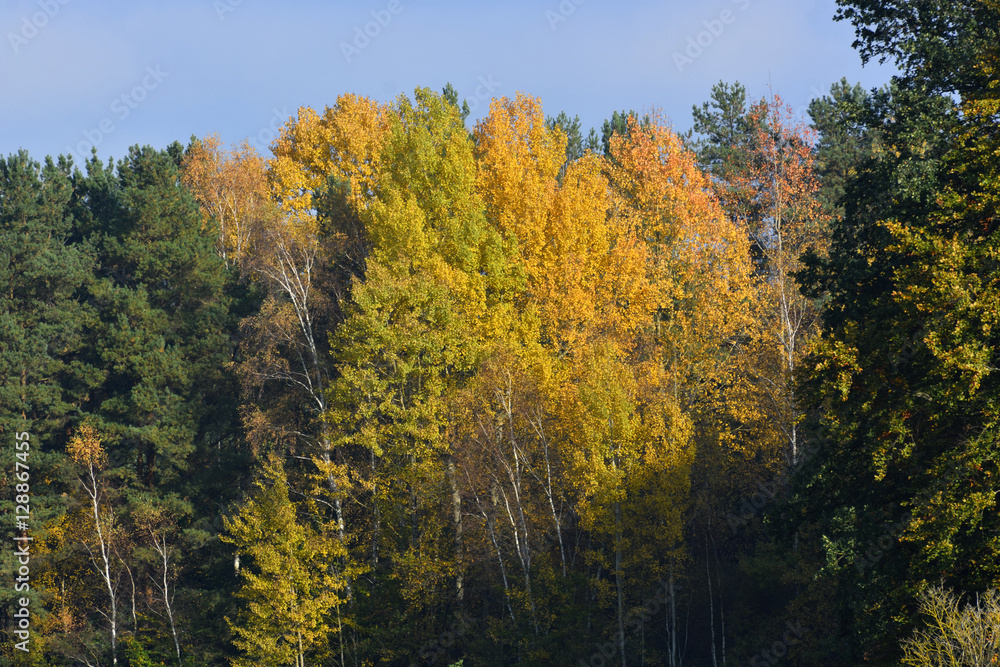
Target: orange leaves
519, 159
585, 268
697, 266
668, 199
231, 187
778, 189
575, 261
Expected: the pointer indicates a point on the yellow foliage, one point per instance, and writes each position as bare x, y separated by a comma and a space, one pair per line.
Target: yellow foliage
518, 160
231, 187
346, 142
85, 447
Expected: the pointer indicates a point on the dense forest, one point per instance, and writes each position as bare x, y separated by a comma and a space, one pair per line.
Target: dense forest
410, 392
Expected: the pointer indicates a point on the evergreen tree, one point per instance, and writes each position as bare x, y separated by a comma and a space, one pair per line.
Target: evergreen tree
451, 95
844, 141
619, 124
726, 125
45, 377
902, 491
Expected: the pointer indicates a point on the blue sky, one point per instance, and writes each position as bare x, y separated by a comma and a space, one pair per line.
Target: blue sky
112, 74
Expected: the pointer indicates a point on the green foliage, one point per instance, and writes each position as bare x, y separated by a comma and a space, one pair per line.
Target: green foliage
904, 486
451, 95
724, 124
163, 318
135, 653
116, 314
844, 141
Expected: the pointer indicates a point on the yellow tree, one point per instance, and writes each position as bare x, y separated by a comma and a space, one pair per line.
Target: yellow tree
102, 544
576, 262
436, 284
955, 634
628, 450
700, 299
345, 143
337, 154
231, 186
290, 590
518, 159
502, 437
627, 260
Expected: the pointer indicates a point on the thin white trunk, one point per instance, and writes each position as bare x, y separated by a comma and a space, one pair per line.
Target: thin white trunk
163, 550
456, 509
103, 566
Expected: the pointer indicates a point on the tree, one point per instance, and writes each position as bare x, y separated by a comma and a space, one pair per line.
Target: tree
519, 159
843, 142
104, 545
619, 124
290, 587
727, 130
45, 374
329, 164
155, 522
43, 311
163, 315
955, 635
775, 196
621, 441
701, 303
231, 187
576, 145
115, 320
435, 286
449, 93
902, 376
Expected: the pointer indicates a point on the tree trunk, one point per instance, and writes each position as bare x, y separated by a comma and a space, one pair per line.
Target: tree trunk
618, 580
103, 566
456, 516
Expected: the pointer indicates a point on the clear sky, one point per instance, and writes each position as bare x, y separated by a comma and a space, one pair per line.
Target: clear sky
76, 73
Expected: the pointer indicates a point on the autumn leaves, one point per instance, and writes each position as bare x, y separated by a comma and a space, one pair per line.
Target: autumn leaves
498, 363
